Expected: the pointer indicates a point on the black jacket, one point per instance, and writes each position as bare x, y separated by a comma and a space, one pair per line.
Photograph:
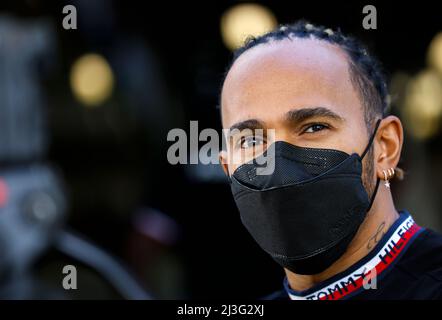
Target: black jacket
408, 264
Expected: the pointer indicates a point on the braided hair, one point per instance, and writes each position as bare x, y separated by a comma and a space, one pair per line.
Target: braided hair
365, 70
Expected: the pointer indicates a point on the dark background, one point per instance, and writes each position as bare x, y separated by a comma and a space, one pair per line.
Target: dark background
169, 60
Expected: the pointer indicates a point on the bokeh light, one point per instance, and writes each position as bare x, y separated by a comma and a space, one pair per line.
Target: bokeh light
422, 107
435, 53
92, 80
245, 20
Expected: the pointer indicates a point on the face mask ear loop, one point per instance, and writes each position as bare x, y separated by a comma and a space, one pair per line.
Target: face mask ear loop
371, 139
373, 196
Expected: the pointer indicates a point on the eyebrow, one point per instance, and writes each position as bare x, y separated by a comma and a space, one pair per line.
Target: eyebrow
251, 124
297, 116
294, 117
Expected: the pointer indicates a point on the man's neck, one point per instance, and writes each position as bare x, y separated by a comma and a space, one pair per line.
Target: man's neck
379, 219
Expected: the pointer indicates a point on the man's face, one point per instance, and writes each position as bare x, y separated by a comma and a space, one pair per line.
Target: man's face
301, 88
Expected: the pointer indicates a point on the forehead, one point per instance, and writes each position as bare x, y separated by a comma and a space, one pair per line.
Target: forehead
270, 79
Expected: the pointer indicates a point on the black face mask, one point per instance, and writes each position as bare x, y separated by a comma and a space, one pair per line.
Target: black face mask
307, 211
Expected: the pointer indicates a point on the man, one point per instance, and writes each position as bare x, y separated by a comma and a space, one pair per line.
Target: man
325, 212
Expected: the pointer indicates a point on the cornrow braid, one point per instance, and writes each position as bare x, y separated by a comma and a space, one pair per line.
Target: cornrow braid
365, 70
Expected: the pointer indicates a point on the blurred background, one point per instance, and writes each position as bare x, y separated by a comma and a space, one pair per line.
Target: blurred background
84, 116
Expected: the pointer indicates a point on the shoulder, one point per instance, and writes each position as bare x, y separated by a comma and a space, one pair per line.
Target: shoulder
425, 253
423, 263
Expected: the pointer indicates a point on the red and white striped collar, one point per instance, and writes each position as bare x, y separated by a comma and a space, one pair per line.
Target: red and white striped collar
351, 281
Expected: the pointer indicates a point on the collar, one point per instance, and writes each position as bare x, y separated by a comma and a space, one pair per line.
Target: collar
379, 261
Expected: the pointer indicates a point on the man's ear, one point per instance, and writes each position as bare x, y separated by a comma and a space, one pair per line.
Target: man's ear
223, 162
389, 139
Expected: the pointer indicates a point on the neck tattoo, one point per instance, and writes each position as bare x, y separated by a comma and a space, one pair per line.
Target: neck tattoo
377, 236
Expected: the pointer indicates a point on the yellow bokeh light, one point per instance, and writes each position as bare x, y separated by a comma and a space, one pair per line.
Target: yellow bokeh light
435, 53
92, 79
244, 20
422, 109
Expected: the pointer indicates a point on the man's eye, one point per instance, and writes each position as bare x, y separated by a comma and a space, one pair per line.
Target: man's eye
250, 142
315, 127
